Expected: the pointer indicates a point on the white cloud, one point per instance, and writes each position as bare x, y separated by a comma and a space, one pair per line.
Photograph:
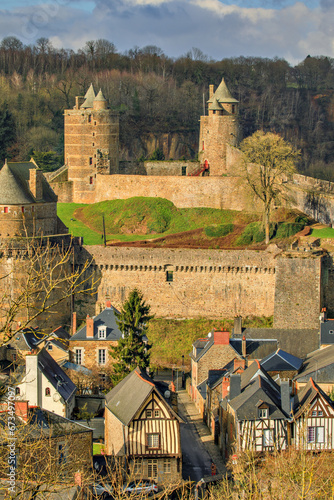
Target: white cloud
218, 29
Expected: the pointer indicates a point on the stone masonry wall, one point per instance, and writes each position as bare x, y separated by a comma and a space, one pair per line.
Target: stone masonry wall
170, 167
298, 291
211, 283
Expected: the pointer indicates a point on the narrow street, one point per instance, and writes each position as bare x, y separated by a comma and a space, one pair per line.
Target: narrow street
197, 444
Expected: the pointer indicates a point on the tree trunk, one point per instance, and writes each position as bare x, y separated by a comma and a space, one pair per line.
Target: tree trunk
266, 224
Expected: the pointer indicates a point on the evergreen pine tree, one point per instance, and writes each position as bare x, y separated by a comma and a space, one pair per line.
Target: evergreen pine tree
131, 350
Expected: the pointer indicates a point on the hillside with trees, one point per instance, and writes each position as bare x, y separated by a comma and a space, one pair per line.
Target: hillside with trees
155, 94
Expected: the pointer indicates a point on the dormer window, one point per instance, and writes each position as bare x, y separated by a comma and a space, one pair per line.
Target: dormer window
102, 332
47, 391
263, 413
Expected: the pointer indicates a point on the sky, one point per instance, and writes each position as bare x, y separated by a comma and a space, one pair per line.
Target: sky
219, 28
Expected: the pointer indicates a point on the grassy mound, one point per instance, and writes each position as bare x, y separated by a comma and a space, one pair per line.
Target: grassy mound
254, 232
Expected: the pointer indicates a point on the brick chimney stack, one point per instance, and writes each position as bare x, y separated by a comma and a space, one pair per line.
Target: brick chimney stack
74, 323
243, 347
89, 327
239, 363
225, 387
221, 338
108, 304
211, 91
21, 409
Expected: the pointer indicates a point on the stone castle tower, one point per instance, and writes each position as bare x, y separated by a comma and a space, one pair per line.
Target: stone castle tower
91, 140
218, 129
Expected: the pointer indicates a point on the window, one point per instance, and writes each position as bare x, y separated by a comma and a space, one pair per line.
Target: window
61, 454
267, 438
153, 440
91, 180
202, 145
102, 356
102, 332
320, 413
263, 412
49, 347
184, 171
169, 276
22, 209
90, 160
47, 391
138, 466
93, 144
152, 467
14, 356
89, 118
156, 413
315, 434
314, 413
5, 210
78, 356
233, 109
148, 413
167, 466
17, 391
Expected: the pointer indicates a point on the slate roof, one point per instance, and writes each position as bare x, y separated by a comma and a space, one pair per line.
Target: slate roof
304, 397
89, 97
222, 94
201, 388
253, 371
327, 331
14, 185
281, 361
130, 395
30, 338
105, 318
319, 365
55, 375
100, 97
259, 391
255, 348
298, 342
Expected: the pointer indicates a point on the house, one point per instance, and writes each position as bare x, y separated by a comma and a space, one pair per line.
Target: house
142, 430
49, 450
45, 384
281, 364
25, 341
218, 349
89, 346
313, 419
319, 365
254, 412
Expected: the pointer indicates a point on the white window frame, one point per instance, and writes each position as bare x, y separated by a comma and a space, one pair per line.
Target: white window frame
263, 412
153, 440
78, 356
267, 438
152, 467
316, 434
102, 356
102, 332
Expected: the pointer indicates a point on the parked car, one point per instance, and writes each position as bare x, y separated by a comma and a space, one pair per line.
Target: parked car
141, 486
101, 489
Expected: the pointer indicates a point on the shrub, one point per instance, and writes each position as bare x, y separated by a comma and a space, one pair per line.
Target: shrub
286, 229
254, 233
218, 231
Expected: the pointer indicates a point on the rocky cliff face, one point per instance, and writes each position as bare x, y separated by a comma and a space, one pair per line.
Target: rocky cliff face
173, 145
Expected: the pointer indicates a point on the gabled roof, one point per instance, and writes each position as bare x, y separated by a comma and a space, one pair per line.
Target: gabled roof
319, 365
222, 94
55, 375
256, 370
304, 398
281, 361
105, 318
130, 395
298, 342
89, 98
30, 338
14, 185
258, 392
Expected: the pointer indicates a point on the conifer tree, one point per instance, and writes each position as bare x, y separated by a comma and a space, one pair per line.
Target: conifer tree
132, 350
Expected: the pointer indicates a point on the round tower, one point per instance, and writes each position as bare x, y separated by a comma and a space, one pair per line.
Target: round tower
91, 142
218, 130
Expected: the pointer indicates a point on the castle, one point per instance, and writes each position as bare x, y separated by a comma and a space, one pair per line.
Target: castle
179, 283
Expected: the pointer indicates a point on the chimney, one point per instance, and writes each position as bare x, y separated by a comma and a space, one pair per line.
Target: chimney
239, 363
285, 396
32, 385
237, 330
89, 327
108, 304
323, 315
235, 385
74, 323
36, 183
225, 387
21, 410
244, 347
211, 91
221, 338
78, 101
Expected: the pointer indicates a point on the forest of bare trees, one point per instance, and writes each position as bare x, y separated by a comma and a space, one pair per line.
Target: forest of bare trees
155, 94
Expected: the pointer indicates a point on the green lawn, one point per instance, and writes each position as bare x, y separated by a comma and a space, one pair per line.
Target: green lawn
326, 232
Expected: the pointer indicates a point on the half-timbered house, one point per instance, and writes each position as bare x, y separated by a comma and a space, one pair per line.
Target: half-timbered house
251, 416
143, 430
313, 419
